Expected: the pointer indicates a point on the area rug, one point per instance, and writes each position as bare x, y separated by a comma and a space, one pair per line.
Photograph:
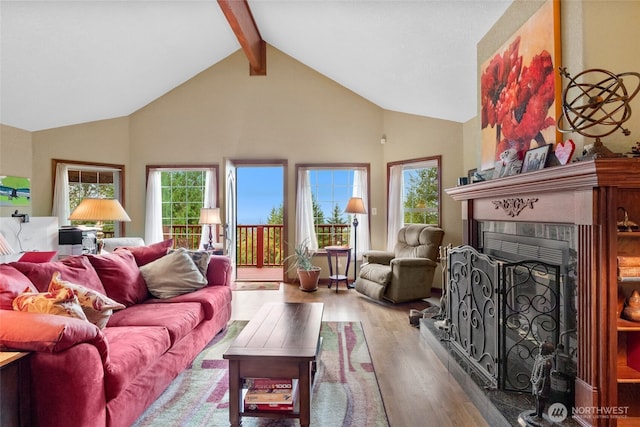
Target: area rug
345, 391
255, 286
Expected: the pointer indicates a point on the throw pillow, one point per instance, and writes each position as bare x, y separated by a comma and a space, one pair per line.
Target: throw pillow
12, 284
120, 276
62, 302
76, 269
172, 275
145, 254
200, 258
97, 307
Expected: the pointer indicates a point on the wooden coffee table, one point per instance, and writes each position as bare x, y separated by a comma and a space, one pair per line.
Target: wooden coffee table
281, 341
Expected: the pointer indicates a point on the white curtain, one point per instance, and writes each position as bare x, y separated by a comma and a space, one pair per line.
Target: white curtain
305, 231
360, 190
395, 219
210, 201
60, 206
153, 215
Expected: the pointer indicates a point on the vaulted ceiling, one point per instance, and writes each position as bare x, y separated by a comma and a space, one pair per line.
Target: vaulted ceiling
68, 62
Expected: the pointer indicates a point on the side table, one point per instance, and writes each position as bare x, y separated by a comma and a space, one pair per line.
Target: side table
333, 255
14, 389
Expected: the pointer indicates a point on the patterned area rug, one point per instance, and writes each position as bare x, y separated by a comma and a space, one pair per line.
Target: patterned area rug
345, 391
255, 286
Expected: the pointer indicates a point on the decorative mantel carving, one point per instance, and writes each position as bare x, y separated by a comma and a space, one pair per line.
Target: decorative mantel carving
514, 205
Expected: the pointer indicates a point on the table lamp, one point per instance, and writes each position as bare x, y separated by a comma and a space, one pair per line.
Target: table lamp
355, 206
210, 217
99, 210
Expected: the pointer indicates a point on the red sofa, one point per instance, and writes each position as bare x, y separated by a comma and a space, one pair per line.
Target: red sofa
82, 375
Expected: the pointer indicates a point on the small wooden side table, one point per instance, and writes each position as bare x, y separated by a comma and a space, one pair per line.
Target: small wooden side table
14, 389
333, 255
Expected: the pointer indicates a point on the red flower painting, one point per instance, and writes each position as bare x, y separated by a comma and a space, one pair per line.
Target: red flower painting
517, 91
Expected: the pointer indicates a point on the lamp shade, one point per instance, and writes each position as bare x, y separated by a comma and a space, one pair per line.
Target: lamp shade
355, 206
210, 216
99, 210
5, 247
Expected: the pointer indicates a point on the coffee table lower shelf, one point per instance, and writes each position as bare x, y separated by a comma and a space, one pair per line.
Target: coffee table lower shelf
282, 340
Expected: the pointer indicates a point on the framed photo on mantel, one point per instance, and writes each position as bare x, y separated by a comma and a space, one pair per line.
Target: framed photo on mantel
536, 158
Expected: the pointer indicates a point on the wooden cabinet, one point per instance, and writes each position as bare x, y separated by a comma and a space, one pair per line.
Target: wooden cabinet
628, 333
14, 383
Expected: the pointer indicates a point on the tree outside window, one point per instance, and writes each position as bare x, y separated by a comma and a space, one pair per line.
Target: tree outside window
331, 189
421, 195
182, 197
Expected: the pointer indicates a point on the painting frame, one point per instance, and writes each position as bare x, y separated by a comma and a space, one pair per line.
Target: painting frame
536, 158
531, 54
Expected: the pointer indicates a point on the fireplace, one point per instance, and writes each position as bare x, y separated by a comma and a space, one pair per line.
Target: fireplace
508, 296
575, 207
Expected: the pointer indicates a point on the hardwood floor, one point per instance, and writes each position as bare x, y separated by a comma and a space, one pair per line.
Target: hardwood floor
415, 385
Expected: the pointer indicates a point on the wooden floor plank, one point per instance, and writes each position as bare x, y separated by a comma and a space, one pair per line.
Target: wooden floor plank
414, 383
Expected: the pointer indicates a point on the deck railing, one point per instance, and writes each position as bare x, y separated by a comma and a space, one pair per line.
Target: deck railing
259, 245
183, 235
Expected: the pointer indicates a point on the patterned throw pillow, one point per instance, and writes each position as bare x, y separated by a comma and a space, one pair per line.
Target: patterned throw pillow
97, 307
62, 302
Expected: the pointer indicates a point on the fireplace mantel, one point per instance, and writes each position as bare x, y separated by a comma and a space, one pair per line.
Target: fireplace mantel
623, 172
585, 195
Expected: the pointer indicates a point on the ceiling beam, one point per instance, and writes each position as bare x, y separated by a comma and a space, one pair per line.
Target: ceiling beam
244, 26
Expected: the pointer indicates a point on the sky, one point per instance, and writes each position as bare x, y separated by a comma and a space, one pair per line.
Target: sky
259, 189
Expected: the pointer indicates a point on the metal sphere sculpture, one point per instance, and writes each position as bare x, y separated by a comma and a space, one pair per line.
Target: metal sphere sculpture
595, 104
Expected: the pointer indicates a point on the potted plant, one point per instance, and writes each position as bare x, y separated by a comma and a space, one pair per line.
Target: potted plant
308, 274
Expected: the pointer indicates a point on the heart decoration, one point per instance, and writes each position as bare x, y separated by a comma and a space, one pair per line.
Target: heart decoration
564, 151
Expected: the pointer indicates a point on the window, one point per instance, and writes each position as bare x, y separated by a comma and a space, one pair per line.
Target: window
183, 192
331, 189
413, 194
323, 193
420, 190
76, 181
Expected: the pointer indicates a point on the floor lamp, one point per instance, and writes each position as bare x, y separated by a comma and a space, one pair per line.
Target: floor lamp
355, 206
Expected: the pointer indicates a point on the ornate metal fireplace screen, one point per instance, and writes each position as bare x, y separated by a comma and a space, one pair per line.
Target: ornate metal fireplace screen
483, 294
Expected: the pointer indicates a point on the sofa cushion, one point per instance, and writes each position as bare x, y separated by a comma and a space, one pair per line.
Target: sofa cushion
120, 277
210, 297
178, 318
145, 254
76, 269
97, 307
173, 274
200, 259
12, 284
61, 302
132, 350
47, 333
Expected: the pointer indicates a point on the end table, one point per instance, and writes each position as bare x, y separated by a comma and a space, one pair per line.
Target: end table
333, 255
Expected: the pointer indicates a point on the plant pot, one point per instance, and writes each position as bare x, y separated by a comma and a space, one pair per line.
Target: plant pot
309, 279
